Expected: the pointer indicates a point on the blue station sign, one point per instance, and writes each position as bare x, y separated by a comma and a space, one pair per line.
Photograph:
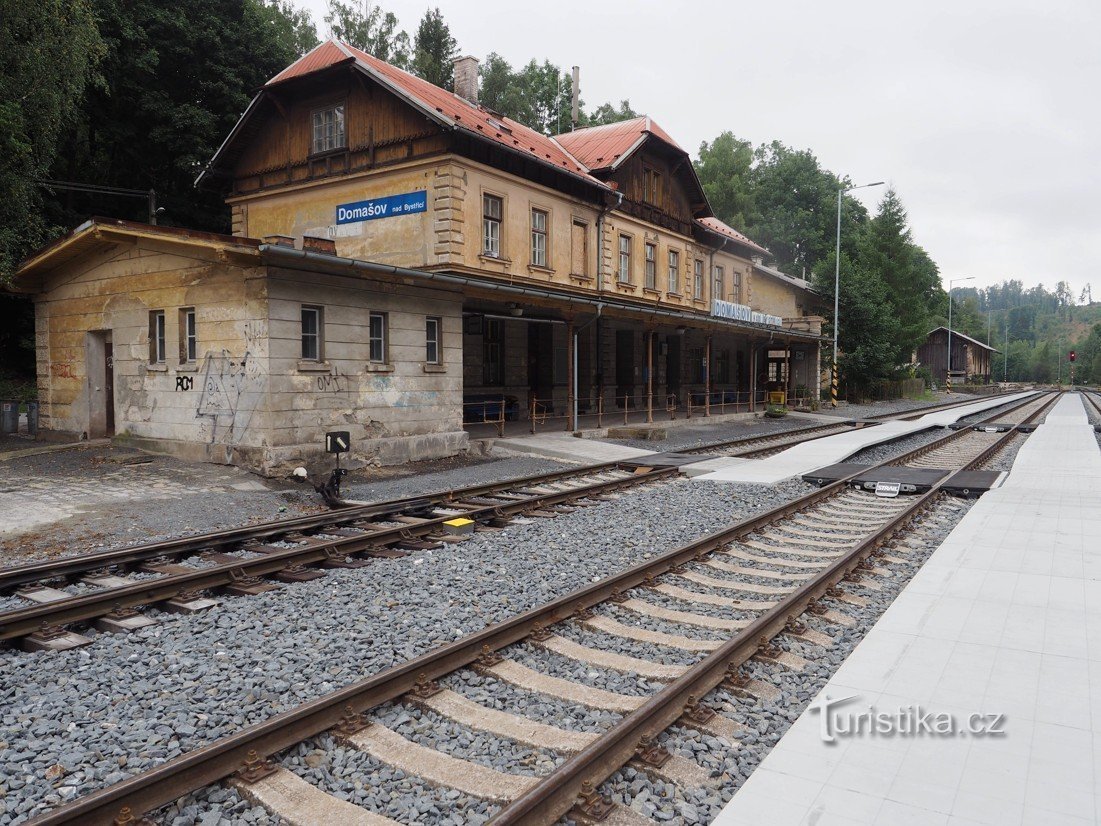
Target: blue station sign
405, 204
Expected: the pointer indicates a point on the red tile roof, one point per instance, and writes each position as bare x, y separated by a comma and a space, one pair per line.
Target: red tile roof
603, 147
718, 227
442, 105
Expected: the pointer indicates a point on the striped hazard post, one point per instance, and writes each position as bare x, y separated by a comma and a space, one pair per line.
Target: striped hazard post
948, 383
833, 387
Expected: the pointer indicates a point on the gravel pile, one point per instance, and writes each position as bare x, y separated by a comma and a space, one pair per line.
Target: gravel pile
148, 696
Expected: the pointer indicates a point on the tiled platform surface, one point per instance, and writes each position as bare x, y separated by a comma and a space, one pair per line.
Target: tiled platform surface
809, 456
1004, 618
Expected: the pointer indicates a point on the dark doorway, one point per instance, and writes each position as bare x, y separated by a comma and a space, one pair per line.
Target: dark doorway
672, 365
100, 371
541, 365
624, 365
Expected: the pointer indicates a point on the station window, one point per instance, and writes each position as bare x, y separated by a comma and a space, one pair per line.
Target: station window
579, 249
674, 270
719, 278
697, 279
377, 338
328, 129
538, 238
432, 328
736, 286
491, 225
156, 337
187, 335
311, 333
625, 259
651, 266
493, 371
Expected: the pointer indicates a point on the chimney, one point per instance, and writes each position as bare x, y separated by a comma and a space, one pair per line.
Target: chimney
311, 243
466, 78
574, 114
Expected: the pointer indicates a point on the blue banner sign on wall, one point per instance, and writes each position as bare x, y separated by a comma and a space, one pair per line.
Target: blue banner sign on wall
740, 312
404, 204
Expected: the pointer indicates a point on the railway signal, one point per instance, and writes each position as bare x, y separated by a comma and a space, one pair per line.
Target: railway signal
1073, 355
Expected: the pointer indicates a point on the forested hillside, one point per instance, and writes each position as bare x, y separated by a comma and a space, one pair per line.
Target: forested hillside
139, 94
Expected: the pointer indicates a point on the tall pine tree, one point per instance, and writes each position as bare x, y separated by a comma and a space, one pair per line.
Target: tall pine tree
433, 50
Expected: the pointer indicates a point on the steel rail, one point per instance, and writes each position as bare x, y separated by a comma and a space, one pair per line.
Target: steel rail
215, 761
902, 415
556, 793
25, 621
37, 571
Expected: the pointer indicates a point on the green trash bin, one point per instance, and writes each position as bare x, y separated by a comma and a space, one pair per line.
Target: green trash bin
9, 416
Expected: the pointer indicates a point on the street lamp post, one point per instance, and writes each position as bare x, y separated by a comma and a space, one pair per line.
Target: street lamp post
948, 372
837, 285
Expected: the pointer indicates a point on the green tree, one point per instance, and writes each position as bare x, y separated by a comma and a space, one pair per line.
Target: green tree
868, 328
795, 213
433, 50
156, 120
49, 53
608, 113
911, 278
539, 95
376, 32
725, 170
291, 26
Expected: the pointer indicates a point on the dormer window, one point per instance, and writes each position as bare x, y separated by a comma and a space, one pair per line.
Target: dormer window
328, 129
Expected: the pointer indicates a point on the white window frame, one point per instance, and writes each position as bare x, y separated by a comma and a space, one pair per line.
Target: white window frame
697, 278
188, 339
156, 336
491, 224
379, 340
718, 279
433, 340
651, 272
624, 274
316, 336
539, 257
674, 271
328, 129
736, 286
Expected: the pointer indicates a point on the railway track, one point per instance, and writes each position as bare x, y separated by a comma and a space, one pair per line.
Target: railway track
683, 622
108, 587
180, 574
760, 447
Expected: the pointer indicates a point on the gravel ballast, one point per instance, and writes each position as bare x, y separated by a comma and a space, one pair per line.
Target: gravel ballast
148, 696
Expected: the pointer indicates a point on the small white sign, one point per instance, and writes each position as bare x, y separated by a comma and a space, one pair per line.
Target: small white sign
888, 490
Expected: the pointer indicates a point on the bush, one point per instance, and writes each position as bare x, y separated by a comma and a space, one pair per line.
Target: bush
776, 411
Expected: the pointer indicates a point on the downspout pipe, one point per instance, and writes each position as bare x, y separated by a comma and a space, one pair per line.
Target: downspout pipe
600, 239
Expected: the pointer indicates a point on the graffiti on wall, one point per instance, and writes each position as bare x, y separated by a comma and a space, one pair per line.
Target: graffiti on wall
232, 388
184, 383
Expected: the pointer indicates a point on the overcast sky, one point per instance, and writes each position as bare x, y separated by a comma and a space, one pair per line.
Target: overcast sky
983, 115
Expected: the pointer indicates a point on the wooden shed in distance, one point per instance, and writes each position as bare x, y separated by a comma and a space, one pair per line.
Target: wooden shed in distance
971, 359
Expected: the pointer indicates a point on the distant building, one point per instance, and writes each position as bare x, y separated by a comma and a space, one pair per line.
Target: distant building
405, 263
971, 359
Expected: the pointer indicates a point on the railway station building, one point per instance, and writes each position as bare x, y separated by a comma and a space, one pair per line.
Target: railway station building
418, 270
